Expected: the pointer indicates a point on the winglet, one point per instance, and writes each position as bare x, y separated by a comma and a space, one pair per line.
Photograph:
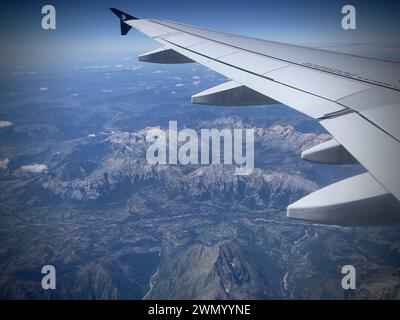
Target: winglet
123, 17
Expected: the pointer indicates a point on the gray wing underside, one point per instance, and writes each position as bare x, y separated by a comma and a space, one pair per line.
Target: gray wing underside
356, 99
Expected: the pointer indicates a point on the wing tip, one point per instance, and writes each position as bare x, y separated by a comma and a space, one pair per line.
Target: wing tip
122, 15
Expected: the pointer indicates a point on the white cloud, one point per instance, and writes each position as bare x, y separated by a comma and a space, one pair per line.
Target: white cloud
97, 67
134, 67
43, 89
91, 135
34, 168
4, 124
196, 80
4, 164
179, 85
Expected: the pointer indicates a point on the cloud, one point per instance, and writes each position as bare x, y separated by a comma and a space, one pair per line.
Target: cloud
43, 89
134, 67
34, 168
196, 80
4, 164
5, 124
96, 67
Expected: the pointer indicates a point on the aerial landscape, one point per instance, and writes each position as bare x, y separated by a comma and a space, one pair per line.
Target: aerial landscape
77, 193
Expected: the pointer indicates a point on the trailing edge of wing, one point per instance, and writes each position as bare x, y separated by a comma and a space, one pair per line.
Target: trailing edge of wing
378, 152
311, 105
253, 70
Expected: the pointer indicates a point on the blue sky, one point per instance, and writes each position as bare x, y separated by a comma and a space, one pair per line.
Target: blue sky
88, 27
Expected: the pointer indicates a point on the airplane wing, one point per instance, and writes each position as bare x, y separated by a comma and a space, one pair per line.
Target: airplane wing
356, 99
